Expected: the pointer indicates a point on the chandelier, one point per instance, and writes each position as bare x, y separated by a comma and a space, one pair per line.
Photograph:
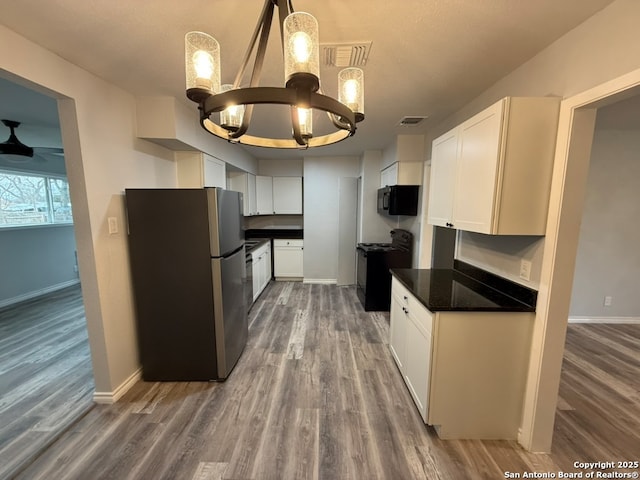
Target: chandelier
299, 37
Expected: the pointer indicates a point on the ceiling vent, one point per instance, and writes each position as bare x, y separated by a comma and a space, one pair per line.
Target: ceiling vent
346, 54
411, 121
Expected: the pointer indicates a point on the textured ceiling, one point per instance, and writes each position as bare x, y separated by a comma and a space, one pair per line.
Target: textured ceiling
428, 57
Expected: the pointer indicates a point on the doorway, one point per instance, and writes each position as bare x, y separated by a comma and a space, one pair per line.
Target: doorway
45, 366
575, 138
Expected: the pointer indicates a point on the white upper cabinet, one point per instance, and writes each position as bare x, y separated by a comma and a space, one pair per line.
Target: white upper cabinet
264, 195
492, 173
287, 195
444, 156
408, 155
246, 184
197, 170
401, 173
389, 175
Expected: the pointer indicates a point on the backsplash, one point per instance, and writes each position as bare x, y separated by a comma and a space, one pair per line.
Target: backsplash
502, 255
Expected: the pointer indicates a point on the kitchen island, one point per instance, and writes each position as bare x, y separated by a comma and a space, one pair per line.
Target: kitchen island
462, 347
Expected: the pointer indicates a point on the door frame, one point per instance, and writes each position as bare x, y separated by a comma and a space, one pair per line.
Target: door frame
566, 203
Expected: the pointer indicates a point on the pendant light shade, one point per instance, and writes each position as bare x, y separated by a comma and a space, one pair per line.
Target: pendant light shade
301, 50
305, 120
351, 90
202, 64
231, 117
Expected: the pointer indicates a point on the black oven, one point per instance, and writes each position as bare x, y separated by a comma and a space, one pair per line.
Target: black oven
373, 264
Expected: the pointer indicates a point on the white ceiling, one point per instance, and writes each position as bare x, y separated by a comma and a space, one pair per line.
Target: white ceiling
428, 57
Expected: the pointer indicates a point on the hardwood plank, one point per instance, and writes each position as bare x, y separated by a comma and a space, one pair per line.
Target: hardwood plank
46, 380
337, 408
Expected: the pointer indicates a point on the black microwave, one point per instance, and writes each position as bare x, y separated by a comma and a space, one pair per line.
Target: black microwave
398, 200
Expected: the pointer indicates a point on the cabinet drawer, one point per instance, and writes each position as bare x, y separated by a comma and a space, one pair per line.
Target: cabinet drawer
412, 306
287, 243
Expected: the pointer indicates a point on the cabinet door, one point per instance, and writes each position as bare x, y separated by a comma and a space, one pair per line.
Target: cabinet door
418, 364
443, 178
389, 176
287, 258
264, 195
214, 172
246, 184
478, 168
397, 332
267, 265
251, 193
257, 276
287, 195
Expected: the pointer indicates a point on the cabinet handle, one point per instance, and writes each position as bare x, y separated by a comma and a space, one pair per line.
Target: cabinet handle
405, 297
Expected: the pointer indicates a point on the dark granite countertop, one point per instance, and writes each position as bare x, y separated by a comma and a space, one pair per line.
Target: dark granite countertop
452, 290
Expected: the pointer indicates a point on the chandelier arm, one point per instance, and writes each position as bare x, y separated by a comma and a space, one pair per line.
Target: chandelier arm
337, 122
283, 12
267, 12
265, 28
262, 47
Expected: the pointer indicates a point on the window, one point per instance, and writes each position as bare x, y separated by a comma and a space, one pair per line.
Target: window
33, 199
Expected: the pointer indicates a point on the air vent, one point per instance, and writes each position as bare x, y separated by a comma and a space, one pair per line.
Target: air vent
411, 121
346, 54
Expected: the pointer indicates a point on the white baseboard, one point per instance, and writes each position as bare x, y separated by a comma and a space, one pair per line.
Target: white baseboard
37, 293
324, 281
113, 397
604, 320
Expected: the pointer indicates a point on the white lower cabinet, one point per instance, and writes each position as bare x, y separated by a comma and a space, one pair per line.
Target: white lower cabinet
410, 343
287, 258
261, 257
417, 364
466, 371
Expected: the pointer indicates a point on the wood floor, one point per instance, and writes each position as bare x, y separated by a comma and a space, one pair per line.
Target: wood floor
46, 381
316, 395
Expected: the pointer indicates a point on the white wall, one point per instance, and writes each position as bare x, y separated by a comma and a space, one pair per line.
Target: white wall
103, 157
373, 228
321, 208
608, 260
35, 260
281, 168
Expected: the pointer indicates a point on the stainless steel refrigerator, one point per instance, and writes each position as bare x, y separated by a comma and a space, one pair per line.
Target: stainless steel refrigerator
187, 258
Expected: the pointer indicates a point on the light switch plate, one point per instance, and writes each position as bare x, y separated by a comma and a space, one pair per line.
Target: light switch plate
113, 225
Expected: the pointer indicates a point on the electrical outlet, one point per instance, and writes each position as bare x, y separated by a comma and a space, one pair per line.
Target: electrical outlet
525, 269
608, 300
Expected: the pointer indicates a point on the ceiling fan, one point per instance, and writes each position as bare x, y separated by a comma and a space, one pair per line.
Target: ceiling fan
14, 150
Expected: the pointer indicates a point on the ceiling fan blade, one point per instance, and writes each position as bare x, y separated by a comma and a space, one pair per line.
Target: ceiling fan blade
49, 150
